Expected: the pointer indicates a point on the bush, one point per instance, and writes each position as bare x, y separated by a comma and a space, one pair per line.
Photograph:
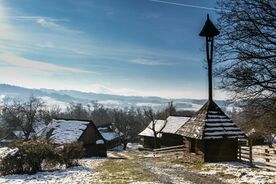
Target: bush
31, 155
12, 164
69, 153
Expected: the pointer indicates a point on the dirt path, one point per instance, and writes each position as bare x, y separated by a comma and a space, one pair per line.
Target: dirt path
133, 167
168, 172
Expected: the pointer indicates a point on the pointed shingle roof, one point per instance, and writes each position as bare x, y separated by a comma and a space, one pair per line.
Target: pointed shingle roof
210, 122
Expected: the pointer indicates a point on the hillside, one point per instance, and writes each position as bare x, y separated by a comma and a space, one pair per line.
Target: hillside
64, 97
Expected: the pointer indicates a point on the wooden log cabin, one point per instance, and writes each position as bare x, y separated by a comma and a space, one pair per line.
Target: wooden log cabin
112, 136
62, 131
212, 134
167, 136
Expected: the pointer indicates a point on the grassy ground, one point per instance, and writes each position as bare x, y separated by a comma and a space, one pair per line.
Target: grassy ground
130, 167
187, 169
145, 167
123, 171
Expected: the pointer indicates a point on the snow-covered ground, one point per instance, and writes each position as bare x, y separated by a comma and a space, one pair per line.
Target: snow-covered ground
235, 172
76, 175
165, 169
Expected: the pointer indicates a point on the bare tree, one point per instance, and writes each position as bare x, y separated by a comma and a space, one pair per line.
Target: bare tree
129, 122
153, 117
250, 115
246, 57
23, 115
48, 113
121, 122
100, 115
157, 131
246, 48
76, 111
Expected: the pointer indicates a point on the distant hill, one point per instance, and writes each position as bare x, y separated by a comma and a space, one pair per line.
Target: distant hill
64, 97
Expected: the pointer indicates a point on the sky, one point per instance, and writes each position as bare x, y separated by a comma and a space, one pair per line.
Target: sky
125, 47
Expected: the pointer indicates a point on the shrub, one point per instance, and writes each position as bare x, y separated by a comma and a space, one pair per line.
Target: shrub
31, 155
69, 153
12, 164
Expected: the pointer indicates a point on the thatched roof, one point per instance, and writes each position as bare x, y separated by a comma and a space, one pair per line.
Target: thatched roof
210, 122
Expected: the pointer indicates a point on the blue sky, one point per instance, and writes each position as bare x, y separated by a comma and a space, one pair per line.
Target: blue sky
126, 47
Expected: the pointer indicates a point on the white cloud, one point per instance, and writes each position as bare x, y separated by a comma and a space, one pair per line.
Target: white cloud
46, 22
149, 62
53, 25
20, 62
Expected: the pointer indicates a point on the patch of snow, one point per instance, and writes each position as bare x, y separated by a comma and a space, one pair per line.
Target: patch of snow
213, 112
222, 128
5, 151
218, 120
216, 116
84, 174
103, 129
158, 125
19, 134
100, 141
242, 172
224, 133
237, 136
65, 131
213, 137
172, 124
133, 146
109, 135
220, 124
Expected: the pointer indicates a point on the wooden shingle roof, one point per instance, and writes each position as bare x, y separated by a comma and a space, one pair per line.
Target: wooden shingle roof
172, 124
210, 122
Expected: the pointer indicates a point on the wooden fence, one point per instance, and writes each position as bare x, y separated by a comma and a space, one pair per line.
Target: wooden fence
245, 153
169, 150
257, 156
265, 157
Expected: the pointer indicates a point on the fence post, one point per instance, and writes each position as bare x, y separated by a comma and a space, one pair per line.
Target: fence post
250, 153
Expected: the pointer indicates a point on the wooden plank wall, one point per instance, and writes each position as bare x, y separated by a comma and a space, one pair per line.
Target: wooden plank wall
245, 153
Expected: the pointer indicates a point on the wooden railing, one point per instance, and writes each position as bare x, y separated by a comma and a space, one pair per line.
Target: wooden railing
245, 153
267, 156
171, 149
257, 156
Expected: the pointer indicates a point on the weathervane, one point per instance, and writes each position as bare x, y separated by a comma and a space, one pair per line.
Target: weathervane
209, 31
